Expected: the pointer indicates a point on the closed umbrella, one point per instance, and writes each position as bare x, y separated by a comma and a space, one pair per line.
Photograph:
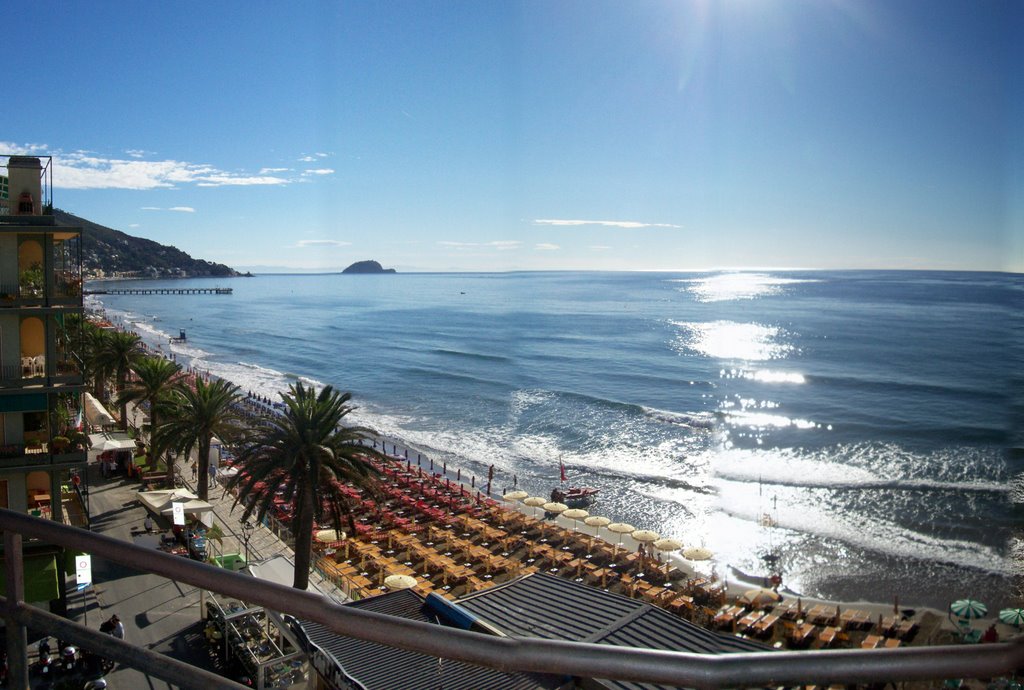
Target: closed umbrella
1013, 617
968, 608
575, 514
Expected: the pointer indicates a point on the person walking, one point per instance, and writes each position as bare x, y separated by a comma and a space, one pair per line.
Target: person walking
195, 470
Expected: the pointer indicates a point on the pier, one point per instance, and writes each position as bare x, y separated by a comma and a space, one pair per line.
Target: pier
161, 291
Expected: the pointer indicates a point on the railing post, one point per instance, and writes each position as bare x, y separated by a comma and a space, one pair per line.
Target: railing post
17, 635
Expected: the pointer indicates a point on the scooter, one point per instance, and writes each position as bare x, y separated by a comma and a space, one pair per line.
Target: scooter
69, 659
44, 666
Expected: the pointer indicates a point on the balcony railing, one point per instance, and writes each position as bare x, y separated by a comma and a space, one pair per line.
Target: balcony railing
507, 654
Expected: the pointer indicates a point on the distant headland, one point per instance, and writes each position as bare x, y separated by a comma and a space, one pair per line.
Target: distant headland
368, 267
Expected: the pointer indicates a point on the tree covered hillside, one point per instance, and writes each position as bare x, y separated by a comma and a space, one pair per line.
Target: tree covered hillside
106, 251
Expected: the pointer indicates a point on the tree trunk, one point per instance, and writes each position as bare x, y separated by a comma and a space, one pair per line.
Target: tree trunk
303, 536
152, 447
122, 378
203, 480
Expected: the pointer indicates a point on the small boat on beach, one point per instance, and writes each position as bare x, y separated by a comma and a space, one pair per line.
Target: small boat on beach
574, 496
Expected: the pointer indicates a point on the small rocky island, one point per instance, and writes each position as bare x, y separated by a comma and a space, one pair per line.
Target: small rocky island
368, 267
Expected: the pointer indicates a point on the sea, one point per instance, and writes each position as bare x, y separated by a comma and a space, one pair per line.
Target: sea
862, 427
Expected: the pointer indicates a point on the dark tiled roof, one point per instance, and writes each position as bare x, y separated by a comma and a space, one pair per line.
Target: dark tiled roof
541, 605
379, 667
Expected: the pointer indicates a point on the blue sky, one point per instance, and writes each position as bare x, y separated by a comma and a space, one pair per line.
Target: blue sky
458, 136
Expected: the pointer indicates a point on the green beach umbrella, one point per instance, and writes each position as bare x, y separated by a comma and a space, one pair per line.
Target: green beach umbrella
968, 608
1013, 617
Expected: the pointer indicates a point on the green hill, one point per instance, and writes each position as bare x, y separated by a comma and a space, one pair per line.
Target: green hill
106, 251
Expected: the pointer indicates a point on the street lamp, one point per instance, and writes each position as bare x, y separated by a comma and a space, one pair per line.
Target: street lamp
247, 530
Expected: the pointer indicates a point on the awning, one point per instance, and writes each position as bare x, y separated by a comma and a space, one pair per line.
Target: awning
95, 413
162, 502
41, 582
25, 402
105, 442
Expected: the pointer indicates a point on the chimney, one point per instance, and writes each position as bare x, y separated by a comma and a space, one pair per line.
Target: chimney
25, 185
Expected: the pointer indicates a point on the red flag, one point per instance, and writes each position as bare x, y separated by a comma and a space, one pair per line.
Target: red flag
561, 468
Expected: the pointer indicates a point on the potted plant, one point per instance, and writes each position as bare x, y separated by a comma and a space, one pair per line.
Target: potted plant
31, 280
60, 444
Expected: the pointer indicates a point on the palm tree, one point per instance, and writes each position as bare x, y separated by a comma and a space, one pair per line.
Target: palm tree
313, 453
92, 364
118, 350
155, 378
194, 416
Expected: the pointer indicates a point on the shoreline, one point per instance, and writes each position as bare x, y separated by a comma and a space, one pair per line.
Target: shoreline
735, 580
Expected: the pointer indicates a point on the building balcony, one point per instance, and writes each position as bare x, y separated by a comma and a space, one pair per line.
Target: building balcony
39, 454
32, 372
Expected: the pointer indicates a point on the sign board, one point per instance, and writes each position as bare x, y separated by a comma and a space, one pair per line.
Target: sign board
83, 570
179, 513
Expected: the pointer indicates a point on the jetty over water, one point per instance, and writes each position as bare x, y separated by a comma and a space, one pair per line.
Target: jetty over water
161, 291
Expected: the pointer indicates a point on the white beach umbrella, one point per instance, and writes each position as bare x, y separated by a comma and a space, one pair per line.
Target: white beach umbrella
555, 507
399, 581
597, 521
328, 535
667, 544
513, 496
645, 536
664, 545
533, 502
620, 528
575, 514
697, 553
760, 597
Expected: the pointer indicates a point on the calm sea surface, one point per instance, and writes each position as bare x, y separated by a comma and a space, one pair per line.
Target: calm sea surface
870, 415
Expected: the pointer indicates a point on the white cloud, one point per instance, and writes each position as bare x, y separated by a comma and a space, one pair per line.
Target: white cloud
600, 247
319, 171
546, 247
182, 209
500, 245
23, 149
88, 170
134, 225
628, 224
80, 170
321, 243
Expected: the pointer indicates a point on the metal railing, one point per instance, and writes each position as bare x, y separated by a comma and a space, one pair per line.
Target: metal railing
506, 654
